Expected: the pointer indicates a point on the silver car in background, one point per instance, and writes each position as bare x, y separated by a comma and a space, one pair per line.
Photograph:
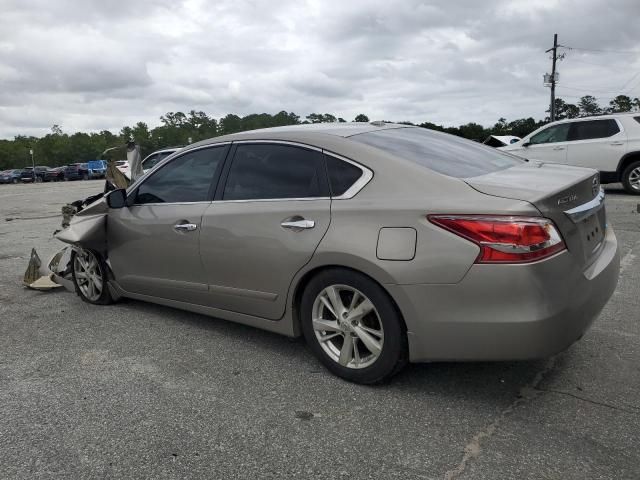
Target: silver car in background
380, 243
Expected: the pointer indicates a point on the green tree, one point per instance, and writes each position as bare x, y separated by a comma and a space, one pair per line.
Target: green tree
565, 110
361, 118
621, 103
589, 106
473, 131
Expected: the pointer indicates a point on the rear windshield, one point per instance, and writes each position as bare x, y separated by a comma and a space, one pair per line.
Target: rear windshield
440, 152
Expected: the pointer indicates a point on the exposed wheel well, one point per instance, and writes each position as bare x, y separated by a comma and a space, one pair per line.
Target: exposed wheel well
306, 278
627, 160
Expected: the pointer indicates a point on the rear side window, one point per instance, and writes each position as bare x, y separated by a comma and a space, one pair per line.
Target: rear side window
342, 175
442, 153
187, 178
271, 171
591, 129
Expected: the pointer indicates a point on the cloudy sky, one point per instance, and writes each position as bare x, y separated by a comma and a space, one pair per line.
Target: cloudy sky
94, 65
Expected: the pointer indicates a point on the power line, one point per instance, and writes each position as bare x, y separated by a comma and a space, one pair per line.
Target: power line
621, 52
587, 89
630, 81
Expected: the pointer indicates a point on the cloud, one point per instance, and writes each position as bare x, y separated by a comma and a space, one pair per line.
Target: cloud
102, 65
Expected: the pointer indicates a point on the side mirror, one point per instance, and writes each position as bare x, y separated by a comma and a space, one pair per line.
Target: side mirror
117, 198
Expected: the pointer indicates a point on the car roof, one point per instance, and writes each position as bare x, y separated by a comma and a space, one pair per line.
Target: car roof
340, 129
313, 132
595, 117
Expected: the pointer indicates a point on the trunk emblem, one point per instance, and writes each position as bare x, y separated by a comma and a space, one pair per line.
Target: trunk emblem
568, 199
595, 186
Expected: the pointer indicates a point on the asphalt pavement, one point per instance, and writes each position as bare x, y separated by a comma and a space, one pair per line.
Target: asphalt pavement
135, 390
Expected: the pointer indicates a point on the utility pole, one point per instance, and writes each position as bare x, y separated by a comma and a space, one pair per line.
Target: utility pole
552, 107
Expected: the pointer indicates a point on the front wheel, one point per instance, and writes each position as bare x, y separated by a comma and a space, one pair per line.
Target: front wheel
90, 277
631, 178
353, 327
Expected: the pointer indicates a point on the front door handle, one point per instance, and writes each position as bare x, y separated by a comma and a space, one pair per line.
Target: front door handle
558, 148
185, 227
616, 143
298, 223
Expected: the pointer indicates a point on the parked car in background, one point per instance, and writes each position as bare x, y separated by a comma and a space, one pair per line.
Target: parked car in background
380, 243
76, 171
608, 143
29, 174
97, 168
55, 174
500, 140
10, 176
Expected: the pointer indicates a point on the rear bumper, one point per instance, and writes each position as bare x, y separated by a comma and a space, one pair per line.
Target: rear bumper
508, 312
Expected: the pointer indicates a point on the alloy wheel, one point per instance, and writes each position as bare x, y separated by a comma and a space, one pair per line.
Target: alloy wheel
347, 326
88, 275
634, 178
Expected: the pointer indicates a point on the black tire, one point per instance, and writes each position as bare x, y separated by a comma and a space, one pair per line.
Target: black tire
394, 354
626, 180
105, 296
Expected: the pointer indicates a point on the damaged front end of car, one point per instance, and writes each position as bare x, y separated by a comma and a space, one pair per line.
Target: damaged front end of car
84, 229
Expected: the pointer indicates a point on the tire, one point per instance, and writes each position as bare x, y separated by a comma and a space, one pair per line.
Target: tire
357, 363
85, 177
631, 178
90, 264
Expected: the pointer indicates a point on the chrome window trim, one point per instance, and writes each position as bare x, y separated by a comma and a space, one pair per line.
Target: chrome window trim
585, 210
359, 184
282, 142
158, 204
250, 200
351, 192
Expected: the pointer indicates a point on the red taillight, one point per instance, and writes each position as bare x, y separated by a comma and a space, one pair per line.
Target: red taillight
507, 239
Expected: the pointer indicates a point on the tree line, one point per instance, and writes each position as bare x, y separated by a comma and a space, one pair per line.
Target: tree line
178, 128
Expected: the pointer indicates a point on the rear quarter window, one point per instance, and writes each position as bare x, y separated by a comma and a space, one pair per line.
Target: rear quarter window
342, 175
591, 129
440, 152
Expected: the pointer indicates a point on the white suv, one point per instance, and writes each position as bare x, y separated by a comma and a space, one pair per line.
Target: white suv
608, 143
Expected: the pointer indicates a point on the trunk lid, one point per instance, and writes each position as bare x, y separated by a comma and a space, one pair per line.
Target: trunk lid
570, 196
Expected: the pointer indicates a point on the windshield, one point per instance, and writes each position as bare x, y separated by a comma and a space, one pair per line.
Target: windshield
440, 152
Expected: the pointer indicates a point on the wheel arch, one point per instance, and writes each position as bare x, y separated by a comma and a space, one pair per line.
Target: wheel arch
305, 277
626, 160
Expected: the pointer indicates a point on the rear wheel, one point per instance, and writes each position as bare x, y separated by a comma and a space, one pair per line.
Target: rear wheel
353, 327
631, 178
90, 277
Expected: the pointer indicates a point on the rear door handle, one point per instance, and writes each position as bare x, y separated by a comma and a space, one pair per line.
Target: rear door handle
185, 227
298, 225
558, 148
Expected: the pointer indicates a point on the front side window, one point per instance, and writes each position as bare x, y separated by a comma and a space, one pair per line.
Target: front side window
591, 129
272, 171
557, 133
187, 178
